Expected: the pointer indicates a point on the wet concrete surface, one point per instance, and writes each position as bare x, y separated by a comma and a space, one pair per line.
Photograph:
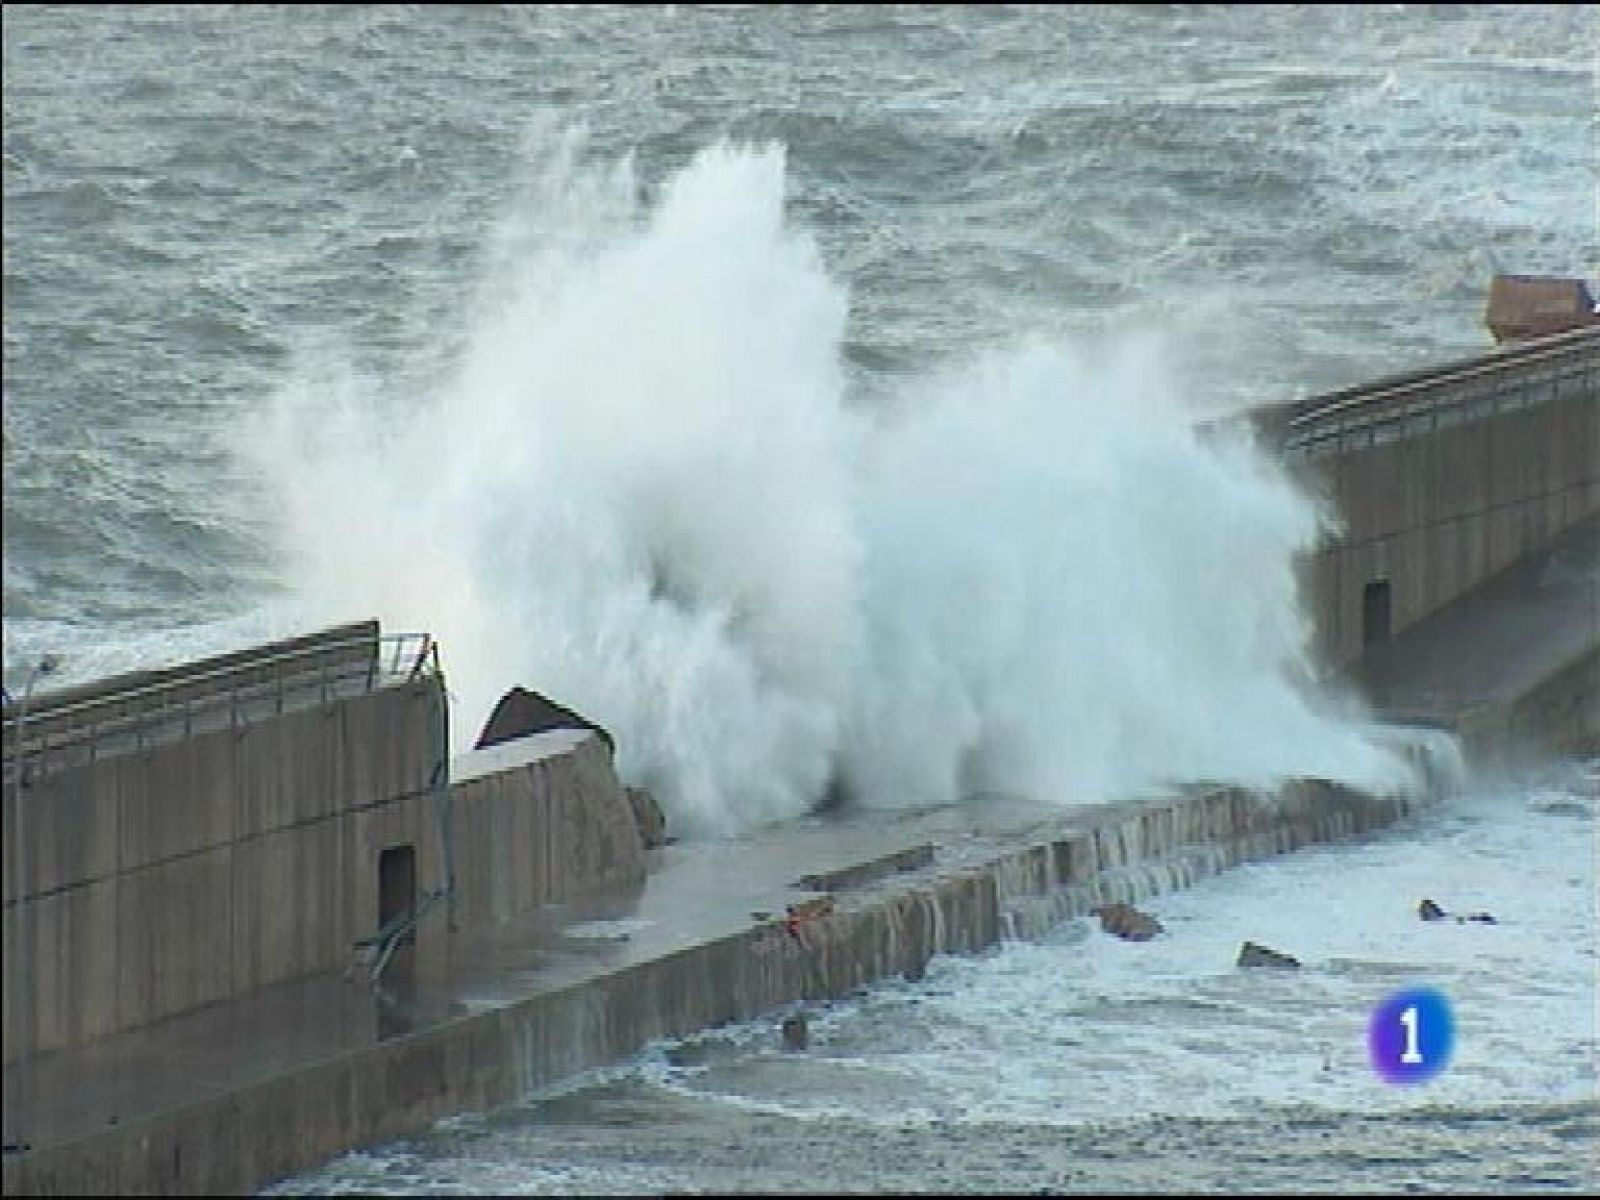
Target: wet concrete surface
1496, 643
695, 893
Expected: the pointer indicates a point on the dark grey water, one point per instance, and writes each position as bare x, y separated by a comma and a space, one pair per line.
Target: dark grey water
195, 196
454, 235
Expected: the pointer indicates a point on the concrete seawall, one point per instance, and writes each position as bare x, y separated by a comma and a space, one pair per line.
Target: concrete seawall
1512, 668
160, 880
696, 958
1440, 494
188, 901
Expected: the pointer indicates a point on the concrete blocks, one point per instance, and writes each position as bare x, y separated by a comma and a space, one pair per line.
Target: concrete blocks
69, 832
1460, 481
1437, 513
1420, 467
170, 878
1507, 540
1374, 490
243, 1138
1573, 441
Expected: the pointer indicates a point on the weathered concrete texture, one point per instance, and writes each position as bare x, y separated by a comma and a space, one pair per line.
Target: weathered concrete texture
911, 859
1560, 715
294, 1075
1441, 478
1438, 511
540, 820
1511, 667
162, 880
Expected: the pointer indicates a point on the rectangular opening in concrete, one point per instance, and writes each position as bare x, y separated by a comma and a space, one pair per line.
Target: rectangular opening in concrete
397, 885
1375, 612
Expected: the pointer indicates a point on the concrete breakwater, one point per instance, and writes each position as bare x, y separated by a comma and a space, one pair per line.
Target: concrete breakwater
193, 854
703, 945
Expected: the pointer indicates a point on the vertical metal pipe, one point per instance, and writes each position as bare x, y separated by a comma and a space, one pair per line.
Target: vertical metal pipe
27, 976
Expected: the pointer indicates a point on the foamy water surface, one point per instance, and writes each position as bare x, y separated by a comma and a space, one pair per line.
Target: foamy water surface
806, 394
1152, 1066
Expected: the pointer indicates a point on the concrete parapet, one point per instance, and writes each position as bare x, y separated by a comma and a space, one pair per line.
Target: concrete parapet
540, 820
183, 803
390, 741
287, 771
911, 859
1511, 665
271, 939
166, 878
74, 958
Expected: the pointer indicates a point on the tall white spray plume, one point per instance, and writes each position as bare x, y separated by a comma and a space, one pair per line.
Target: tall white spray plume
643, 492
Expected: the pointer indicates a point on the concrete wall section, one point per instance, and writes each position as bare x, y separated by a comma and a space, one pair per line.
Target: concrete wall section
79, 931
541, 820
1560, 715
406, 821
1439, 509
150, 900
241, 1140
169, 878
287, 771
183, 803
390, 741
174, 935
274, 937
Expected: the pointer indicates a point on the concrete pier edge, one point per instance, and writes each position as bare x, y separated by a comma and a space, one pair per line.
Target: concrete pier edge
243, 1139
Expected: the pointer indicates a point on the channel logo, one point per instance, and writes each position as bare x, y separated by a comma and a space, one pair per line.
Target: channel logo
1411, 1036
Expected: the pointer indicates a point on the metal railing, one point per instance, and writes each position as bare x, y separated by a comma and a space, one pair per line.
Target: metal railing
80, 725
1425, 401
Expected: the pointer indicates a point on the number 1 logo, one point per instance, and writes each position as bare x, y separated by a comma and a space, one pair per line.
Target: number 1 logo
1411, 1035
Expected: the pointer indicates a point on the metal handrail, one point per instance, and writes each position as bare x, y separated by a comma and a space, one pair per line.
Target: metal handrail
25, 744
1325, 417
322, 649
208, 702
1509, 360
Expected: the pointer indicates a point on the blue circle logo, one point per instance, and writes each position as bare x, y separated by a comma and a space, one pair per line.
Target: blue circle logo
1411, 1036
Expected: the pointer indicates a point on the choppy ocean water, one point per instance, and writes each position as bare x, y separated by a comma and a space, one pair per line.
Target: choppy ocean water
1083, 1063
553, 330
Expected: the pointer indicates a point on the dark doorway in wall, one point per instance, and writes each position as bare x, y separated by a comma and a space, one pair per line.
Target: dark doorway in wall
1375, 613
397, 885
397, 898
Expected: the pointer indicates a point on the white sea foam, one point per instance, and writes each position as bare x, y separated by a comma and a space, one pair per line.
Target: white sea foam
645, 492
1084, 1028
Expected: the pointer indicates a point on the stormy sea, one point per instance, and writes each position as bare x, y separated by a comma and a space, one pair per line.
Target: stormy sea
809, 395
